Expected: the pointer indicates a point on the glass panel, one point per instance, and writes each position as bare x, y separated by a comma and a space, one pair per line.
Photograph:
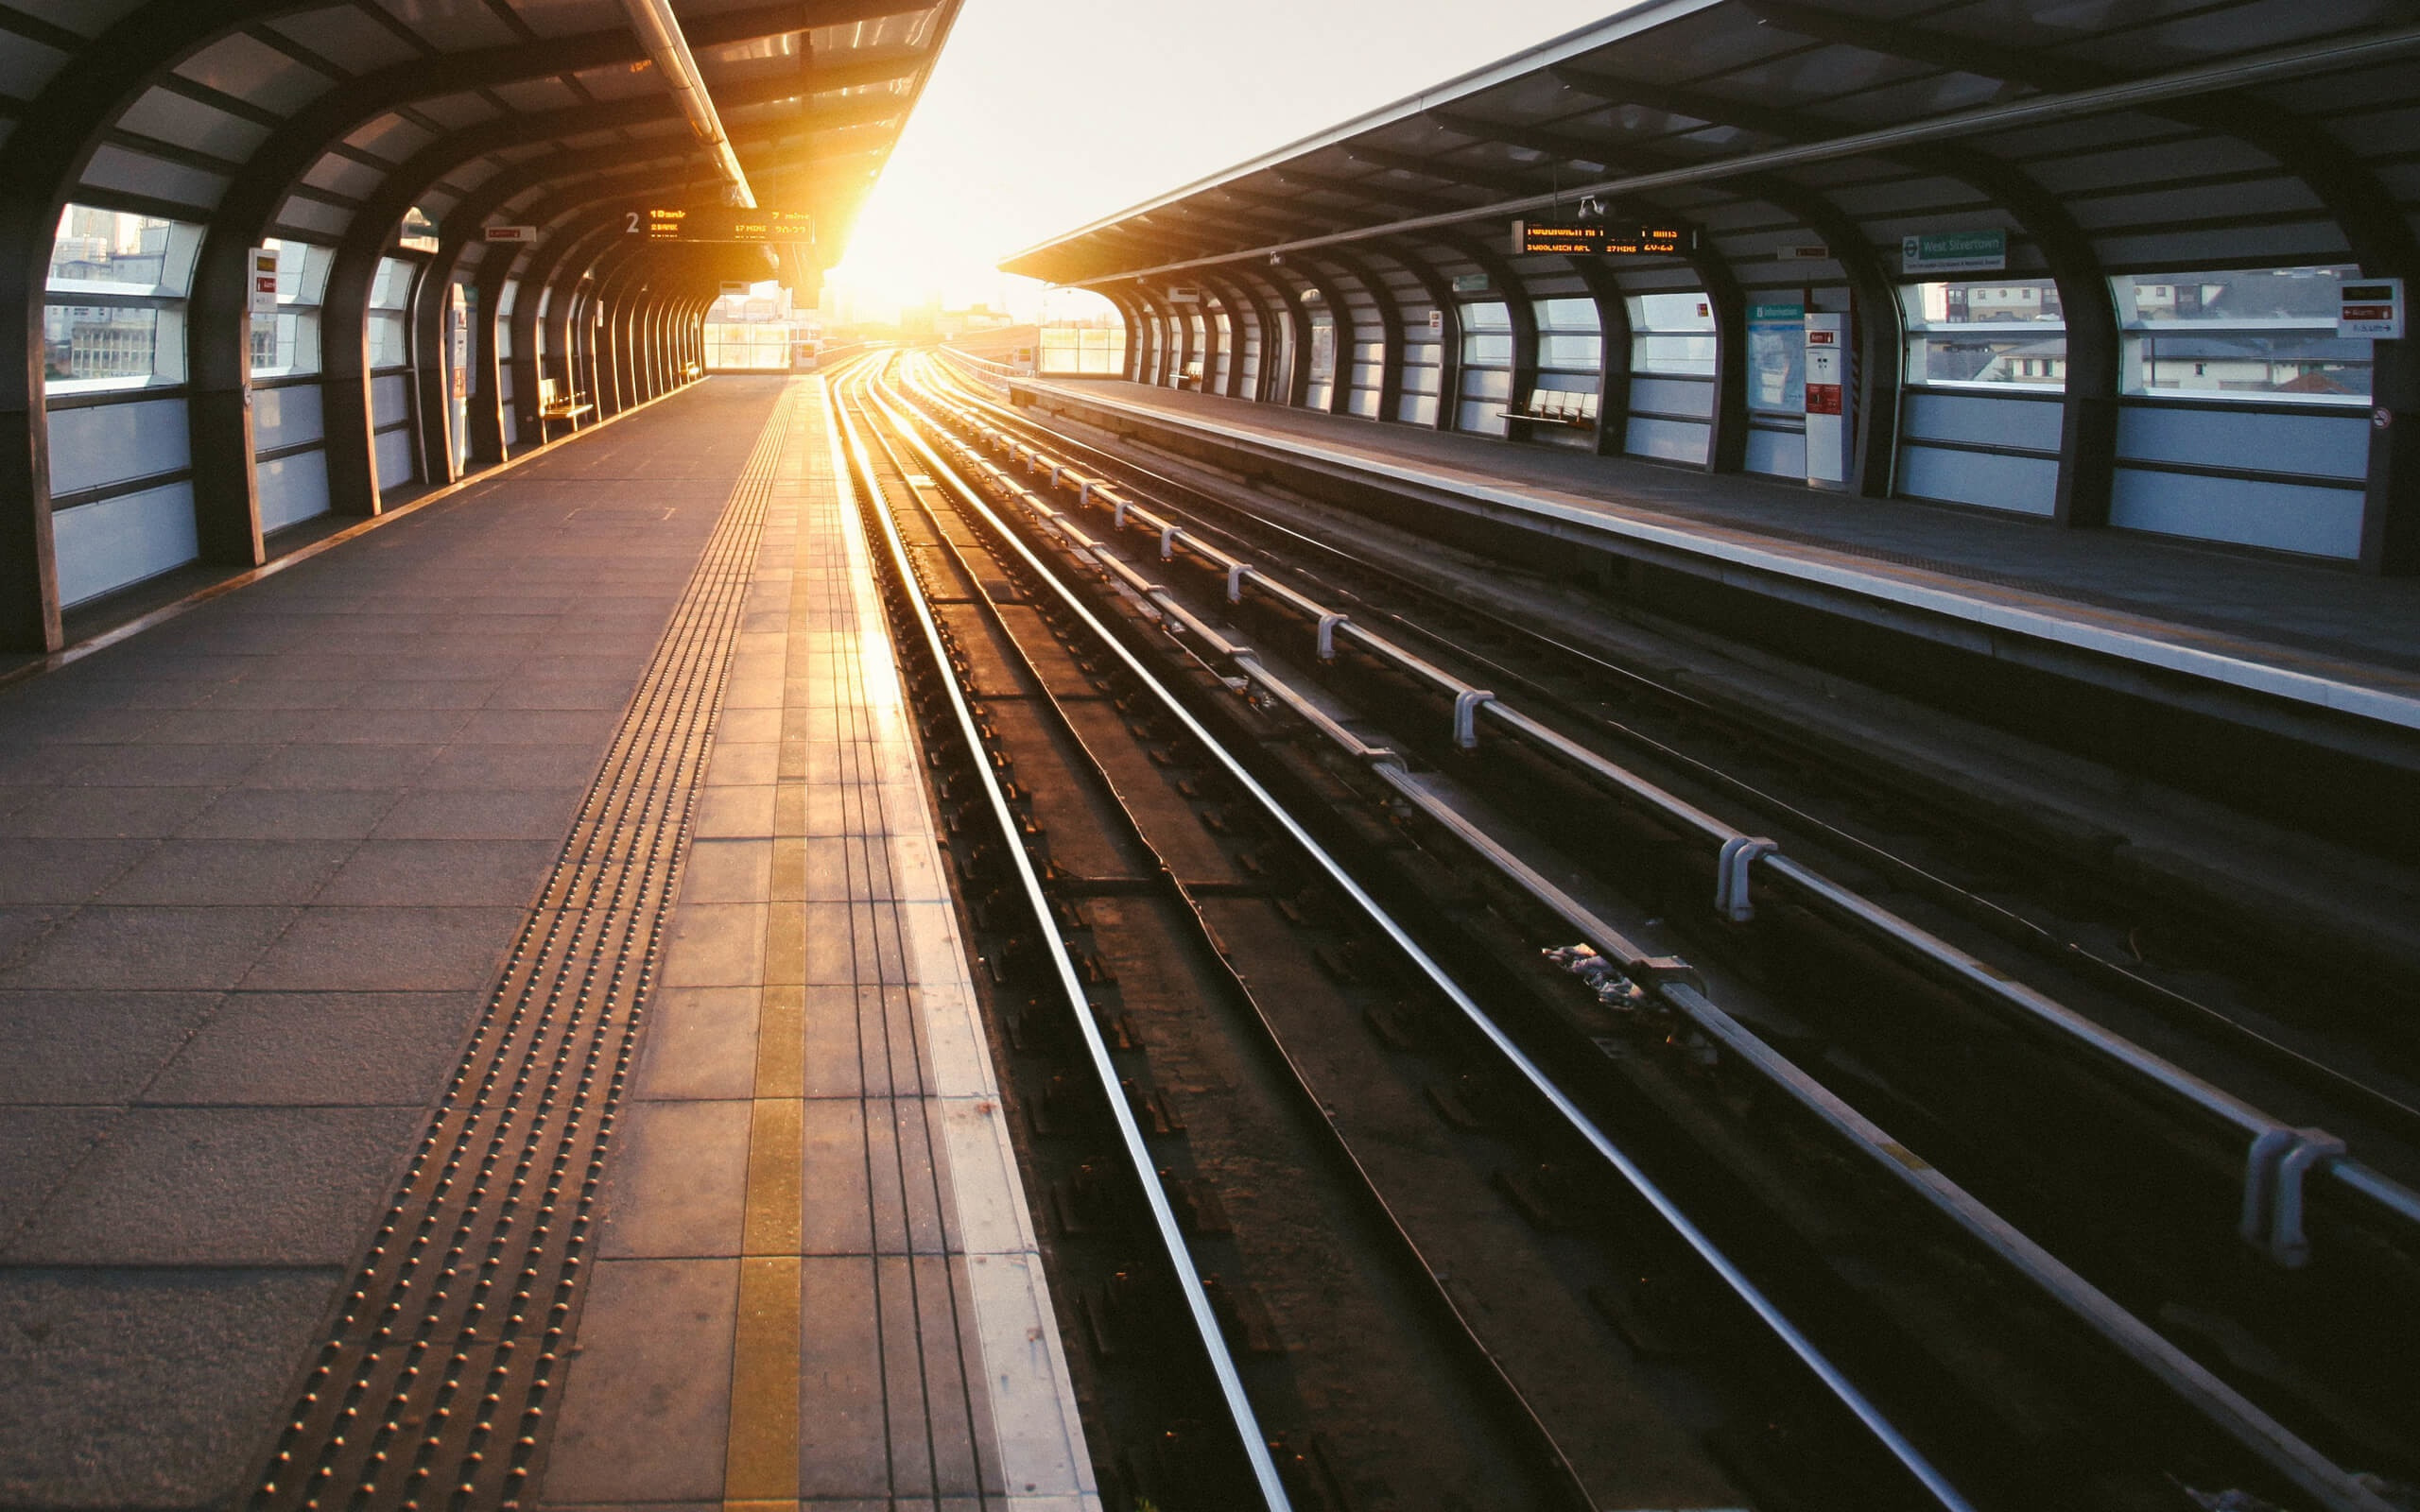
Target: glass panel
1687, 355
92, 348
1486, 317
390, 346
1567, 315
1488, 348
2252, 334
1689, 311
1569, 351
393, 289
1998, 330
285, 343
1084, 351
110, 251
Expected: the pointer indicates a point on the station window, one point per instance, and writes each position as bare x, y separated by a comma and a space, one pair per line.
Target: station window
1084, 351
113, 314
1671, 334
2264, 333
1568, 339
389, 328
1990, 331
287, 343
1487, 335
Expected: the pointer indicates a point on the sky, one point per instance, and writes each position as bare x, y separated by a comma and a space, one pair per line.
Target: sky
1045, 114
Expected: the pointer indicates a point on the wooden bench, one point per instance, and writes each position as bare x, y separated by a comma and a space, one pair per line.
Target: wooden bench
693, 372
1191, 378
1550, 406
554, 406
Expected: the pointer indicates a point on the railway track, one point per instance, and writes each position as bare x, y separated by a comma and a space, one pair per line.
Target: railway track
1671, 1215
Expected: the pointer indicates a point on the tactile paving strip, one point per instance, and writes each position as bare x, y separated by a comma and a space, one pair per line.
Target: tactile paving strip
437, 1384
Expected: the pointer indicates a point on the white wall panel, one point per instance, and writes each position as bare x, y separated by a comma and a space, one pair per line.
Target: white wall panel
2327, 445
99, 444
394, 453
285, 417
106, 546
1780, 454
390, 399
1672, 396
1668, 441
1982, 420
2026, 485
293, 489
2317, 522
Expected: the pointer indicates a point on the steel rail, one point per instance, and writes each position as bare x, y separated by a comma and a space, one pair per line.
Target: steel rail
2267, 1138
2178, 1372
1833, 1378
1412, 1263
1244, 1420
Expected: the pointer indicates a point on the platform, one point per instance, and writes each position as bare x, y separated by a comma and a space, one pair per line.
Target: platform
263, 867
2308, 634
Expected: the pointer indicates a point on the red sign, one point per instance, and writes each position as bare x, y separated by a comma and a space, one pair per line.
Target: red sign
1823, 398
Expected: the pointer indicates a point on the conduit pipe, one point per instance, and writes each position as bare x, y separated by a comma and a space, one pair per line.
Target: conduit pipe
659, 31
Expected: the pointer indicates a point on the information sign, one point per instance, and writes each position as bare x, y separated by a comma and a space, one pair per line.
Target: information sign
264, 281
1603, 238
1830, 425
734, 291
1955, 252
1470, 283
1437, 322
1184, 294
510, 233
1804, 252
721, 223
2371, 307
1776, 352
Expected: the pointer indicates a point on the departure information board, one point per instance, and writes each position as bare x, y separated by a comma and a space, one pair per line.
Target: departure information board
722, 223
1605, 238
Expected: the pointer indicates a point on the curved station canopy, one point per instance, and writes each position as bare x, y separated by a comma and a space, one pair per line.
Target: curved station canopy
2130, 176
156, 154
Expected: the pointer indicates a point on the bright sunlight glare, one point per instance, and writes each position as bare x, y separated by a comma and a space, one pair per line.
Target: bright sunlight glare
1044, 114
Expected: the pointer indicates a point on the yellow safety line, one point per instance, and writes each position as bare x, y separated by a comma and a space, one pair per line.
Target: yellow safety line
761, 1449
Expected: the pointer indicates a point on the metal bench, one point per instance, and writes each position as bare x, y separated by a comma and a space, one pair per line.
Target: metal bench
1550, 406
553, 405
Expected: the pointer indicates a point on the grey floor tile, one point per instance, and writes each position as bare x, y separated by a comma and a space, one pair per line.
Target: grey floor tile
152, 947
224, 1186
391, 727
90, 1047
562, 694
293, 814
698, 1042
229, 871
22, 763
585, 728
500, 874
24, 927
160, 765
387, 950
104, 813
843, 1448
260, 728
321, 1049
716, 945
493, 765
727, 871
39, 1146
679, 1183
318, 764
63, 871
425, 692
646, 1403
506, 813
146, 1388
